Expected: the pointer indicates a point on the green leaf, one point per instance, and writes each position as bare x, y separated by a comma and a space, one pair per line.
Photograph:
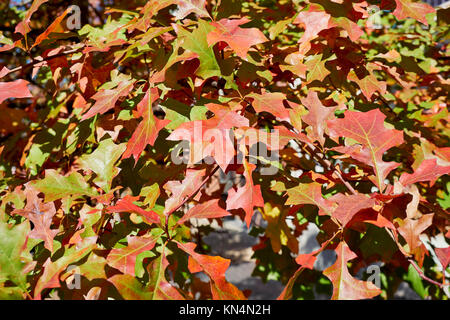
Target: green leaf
102, 161
415, 281
12, 244
56, 186
196, 42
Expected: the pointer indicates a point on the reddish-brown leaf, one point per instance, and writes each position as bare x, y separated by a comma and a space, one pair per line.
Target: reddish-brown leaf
124, 259
412, 9
369, 84
215, 268
239, 39
443, 255
367, 129
271, 102
314, 22
349, 206
106, 99
209, 209
181, 190
126, 205
148, 129
23, 26
246, 197
211, 137
317, 116
428, 170
412, 228
345, 286
186, 7
41, 215
14, 89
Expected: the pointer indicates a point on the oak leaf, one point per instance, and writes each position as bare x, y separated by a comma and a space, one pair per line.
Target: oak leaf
345, 286
239, 39
246, 197
41, 215
126, 205
215, 268
14, 89
148, 129
124, 259
428, 170
209, 209
317, 116
367, 129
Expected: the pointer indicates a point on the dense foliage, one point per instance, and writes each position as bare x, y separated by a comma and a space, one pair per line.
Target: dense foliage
103, 171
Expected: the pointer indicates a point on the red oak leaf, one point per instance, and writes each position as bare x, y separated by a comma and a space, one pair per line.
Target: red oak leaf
106, 99
246, 197
211, 137
239, 39
310, 194
209, 209
317, 116
186, 7
148, 129
124, 259
215, 268
353, 30
181, 190
314, 22
367, 128
428, 170
271, 102
23, 26
276, 139
41, 215
316, 69
345, 286
52, 269
14, 89
412, 228
158, 284
126, 205
410, 9
368, 84
349, 206
443, 255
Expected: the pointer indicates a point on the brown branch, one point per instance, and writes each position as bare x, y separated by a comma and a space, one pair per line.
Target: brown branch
32, 63
423, 276
312, 150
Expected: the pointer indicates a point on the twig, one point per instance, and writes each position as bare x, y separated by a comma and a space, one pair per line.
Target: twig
423, 276
32, 63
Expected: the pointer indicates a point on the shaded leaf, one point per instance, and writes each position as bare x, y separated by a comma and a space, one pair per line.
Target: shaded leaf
209, 209
56, 186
